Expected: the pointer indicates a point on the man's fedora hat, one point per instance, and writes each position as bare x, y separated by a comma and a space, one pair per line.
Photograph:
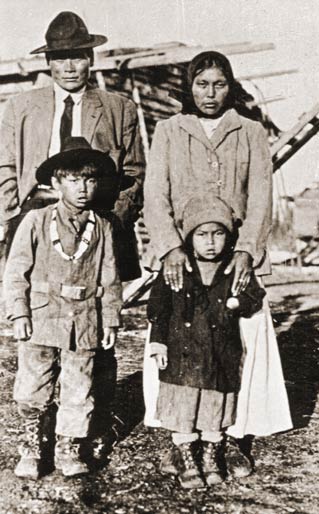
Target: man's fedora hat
75, 153
68, 32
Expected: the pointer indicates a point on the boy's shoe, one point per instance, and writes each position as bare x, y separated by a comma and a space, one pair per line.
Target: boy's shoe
30, 451
239, 463
67, 457
212, 453
189, 475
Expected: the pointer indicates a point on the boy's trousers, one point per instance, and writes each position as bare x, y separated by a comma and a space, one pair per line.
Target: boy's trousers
39, 368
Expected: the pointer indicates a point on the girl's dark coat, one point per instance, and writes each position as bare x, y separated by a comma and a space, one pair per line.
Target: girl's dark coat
201, 334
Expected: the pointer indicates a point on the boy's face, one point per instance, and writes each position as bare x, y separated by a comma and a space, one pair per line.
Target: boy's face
209, 240
77, 191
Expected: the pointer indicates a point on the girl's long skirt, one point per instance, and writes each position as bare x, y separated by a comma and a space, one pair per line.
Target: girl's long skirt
263, 407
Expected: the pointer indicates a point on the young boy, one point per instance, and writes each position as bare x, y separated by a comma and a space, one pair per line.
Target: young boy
196, 343
63, 295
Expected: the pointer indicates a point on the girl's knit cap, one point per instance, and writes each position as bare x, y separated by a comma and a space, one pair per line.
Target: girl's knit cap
206, 208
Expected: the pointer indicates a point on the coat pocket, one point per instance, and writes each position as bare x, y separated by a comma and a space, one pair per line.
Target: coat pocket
38, 300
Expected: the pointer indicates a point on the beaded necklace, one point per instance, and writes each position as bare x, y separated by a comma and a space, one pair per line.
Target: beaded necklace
85, 238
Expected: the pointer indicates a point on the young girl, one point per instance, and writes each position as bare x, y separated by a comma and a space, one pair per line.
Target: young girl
196, 344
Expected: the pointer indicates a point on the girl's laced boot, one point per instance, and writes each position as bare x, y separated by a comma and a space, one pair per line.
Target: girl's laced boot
189, 475
238, 460
212, 453
67, 457
30, 450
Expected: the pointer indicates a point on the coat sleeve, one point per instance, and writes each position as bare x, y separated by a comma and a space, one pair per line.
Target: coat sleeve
9, 200
132, 162
112, 297
256, 226
158, 209
16, 279
159, 310
251, 300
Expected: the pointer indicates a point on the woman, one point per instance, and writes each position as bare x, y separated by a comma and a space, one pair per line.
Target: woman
211, 146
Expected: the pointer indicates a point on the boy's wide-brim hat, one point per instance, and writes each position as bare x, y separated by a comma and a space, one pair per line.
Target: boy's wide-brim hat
77, 152
68, 32
207, 208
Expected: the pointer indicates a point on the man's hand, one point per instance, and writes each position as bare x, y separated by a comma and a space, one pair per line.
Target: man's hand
174, 263
4, 229
242, 263
161, 360
109, 340
22, 328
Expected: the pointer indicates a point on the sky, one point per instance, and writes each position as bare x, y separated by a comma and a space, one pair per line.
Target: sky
291, 25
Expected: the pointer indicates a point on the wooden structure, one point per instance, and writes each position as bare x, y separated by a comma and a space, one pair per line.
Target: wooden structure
148, 75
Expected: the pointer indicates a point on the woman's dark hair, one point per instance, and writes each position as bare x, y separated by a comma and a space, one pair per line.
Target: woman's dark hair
237, 96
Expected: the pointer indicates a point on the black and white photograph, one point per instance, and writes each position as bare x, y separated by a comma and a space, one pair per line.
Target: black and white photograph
159, 257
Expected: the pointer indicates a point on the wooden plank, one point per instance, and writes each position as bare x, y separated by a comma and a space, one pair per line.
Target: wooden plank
186, 54
281, 159
143, 58
290, 134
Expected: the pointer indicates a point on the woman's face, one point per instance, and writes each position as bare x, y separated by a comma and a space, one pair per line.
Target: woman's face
210, 89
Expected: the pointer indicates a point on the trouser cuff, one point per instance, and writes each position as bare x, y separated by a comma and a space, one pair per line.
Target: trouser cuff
215, 436
180, 438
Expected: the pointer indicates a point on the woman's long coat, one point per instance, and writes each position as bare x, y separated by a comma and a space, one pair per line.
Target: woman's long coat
234, 164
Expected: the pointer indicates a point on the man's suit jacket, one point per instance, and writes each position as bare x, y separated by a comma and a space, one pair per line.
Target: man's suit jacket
109, 123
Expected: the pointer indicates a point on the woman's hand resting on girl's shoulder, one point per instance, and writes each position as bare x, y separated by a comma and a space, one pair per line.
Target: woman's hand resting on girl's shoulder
242, 263
174, 263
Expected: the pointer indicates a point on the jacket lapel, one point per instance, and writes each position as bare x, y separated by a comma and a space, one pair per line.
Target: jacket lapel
229, 122
43, 110
191, 124
92, 109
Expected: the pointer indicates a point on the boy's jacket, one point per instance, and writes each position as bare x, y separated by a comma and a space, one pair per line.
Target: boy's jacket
62, 296
201, 334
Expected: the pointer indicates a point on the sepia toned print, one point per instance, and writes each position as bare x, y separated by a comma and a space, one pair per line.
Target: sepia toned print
201, 395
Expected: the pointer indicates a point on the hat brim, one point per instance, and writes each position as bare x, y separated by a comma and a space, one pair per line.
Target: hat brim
95, 40
71, 159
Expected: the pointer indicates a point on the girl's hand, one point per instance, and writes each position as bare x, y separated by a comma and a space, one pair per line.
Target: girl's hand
22, 328
161, 361
242, 262
174, 263
109, 340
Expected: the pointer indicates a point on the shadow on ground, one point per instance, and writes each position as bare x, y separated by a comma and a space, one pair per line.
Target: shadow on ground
299, 350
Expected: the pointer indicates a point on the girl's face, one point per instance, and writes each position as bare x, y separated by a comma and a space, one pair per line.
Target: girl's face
209, 240
210, 90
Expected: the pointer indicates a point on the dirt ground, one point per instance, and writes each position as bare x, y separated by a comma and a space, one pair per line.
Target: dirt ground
287, 464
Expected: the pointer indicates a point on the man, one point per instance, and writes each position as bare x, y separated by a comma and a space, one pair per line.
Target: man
35, 124
34, 127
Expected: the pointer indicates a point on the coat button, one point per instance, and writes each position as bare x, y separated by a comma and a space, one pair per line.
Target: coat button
219, 300
213, 326
219, 182
215, 164
70, 314
187, 324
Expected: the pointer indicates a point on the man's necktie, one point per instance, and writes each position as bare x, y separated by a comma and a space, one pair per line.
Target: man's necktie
66, 120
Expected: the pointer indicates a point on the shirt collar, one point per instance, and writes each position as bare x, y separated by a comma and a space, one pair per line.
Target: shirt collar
61, 94
68, 213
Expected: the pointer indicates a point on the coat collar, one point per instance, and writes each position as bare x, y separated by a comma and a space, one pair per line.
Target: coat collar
190, 123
